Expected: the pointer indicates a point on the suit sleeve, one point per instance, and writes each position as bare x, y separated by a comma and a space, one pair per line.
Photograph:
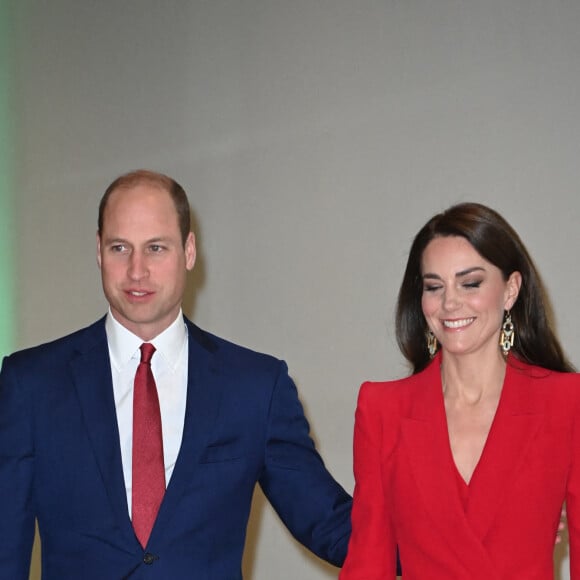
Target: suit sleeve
312, 505
372, 548
573, 492
16, 474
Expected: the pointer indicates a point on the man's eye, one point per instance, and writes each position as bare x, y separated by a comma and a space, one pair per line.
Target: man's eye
118, 248
155, 248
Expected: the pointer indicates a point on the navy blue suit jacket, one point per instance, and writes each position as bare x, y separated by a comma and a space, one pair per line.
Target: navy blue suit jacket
60, 462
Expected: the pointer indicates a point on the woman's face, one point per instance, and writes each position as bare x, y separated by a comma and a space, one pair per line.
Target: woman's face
464, 296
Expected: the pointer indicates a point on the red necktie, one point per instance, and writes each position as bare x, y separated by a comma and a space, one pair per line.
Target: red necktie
148, 467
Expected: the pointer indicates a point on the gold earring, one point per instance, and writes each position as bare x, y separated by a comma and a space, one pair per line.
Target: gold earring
431, 343
506, 338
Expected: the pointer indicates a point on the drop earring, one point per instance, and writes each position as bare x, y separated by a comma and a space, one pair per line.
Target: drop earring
431, 343
507, 335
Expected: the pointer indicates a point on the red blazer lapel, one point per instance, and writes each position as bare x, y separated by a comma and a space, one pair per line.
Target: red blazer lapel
424, 432
426, 442
516, 424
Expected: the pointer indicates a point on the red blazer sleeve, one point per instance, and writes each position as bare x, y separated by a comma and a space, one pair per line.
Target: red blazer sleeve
573, 498
372, 547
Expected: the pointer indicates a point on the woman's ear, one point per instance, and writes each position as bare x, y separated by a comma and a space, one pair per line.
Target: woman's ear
514, 283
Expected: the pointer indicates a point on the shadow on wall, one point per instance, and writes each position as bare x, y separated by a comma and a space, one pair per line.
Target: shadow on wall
35, 562
196, 278
560, 556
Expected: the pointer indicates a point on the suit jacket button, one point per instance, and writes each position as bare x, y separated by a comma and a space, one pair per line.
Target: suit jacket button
149, 558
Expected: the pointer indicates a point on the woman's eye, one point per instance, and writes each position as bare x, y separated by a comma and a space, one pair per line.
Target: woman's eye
474, 284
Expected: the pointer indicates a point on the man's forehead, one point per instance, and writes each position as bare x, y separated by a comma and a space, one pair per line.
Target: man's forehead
140, 187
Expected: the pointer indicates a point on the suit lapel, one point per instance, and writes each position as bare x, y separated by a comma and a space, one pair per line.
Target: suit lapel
204, 389
91, 372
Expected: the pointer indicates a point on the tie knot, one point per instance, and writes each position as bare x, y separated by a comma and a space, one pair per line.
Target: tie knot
147, 350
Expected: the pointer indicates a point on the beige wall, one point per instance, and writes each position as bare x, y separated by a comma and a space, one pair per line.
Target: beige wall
314, 137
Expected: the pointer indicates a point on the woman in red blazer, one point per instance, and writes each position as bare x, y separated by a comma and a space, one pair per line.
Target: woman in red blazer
465, 464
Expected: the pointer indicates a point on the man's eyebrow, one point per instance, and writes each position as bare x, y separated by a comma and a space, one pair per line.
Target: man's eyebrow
114, 241
154, 240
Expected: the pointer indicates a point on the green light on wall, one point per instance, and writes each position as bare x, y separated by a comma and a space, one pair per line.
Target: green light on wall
7, 294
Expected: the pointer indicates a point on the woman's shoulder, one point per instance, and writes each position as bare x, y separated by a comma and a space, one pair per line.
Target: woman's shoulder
557, 389
391, 390
543, 375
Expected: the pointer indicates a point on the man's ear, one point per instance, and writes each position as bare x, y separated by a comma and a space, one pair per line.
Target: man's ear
98, 250
190, 252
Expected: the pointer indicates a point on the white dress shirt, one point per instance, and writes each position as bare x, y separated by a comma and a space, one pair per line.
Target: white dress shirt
169, 366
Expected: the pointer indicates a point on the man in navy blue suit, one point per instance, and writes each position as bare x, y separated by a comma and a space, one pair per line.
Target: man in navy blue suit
229, 418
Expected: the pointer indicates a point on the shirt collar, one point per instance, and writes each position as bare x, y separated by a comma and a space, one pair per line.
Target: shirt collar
124, 345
